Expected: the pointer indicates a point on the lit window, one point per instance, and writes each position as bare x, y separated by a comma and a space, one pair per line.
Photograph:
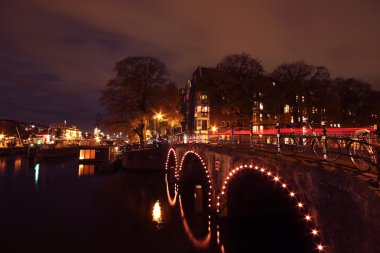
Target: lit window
86, 154
203, 98
286, 109
204, 109
261, 106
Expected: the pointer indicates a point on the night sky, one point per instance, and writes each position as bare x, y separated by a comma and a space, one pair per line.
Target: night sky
56, 56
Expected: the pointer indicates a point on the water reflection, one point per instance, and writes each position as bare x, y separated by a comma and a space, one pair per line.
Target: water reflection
86, 170
36, 173
197, 243
3, 165
172, 201
17, 165
157, 214
126, 211
192, 194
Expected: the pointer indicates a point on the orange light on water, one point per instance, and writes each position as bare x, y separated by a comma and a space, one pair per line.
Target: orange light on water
156, 213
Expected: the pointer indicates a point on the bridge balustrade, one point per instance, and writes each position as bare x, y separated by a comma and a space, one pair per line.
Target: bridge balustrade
269, 140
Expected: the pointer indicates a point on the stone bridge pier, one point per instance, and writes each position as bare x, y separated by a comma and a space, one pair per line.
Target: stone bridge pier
343, 214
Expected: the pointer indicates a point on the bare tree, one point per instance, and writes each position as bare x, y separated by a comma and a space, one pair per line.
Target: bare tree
131, 96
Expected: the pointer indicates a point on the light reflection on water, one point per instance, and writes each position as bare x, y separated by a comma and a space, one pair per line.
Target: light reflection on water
3, 165
157, 214
202, 243
36, 173
86, 170
17, 165
112, 212
78, 206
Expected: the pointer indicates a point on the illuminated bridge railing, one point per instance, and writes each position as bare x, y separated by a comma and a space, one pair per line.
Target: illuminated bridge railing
336, 142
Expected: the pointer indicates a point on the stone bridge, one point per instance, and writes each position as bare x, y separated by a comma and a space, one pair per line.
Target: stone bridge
342, 212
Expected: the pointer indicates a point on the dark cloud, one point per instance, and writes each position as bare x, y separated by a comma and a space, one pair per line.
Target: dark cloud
56, 56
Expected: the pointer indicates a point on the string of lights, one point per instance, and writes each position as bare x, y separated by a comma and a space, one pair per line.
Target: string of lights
276, 179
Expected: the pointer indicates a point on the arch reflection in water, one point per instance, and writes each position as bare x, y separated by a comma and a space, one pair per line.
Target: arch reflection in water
172, 201
198, 243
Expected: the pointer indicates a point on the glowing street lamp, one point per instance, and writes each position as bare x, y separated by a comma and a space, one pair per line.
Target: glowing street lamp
158, 116
214, 129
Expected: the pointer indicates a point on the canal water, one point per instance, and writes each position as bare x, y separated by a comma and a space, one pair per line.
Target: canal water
62, 206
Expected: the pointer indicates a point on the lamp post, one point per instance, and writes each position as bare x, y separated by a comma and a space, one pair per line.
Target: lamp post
214, 129
157, 116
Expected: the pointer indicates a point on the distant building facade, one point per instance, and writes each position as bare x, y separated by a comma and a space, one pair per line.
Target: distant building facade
194, 105
65, 132
271, 103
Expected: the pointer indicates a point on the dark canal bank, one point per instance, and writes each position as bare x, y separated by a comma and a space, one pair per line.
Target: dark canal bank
62, 206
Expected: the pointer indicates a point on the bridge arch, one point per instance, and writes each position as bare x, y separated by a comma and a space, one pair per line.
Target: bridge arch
171, 158
202, 164
192, 166
280, 185
199, 243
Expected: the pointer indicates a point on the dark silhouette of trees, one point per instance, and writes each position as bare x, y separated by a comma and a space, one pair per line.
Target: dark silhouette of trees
356, 99
241, 66
232, 86
308, 90
134, 94
168, 102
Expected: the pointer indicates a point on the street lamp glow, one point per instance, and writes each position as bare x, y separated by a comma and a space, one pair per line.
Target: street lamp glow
214, 129
159, 116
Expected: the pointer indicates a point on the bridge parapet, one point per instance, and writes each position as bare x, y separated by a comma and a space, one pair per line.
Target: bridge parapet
345, 209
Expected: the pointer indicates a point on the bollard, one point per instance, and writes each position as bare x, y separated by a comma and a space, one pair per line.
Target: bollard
278, 139
198, 199
251, 137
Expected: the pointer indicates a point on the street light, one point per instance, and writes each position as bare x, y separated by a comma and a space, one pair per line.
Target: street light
157, 116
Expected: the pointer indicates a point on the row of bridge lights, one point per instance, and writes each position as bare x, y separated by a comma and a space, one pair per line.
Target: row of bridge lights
200, 243
180, 168
275, 179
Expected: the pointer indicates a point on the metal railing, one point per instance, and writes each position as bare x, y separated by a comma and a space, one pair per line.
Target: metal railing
286, 140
